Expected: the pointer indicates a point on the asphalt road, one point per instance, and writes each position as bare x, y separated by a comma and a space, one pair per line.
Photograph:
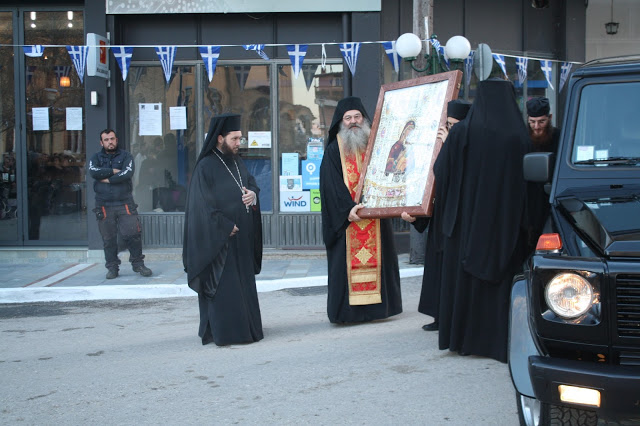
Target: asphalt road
141, 362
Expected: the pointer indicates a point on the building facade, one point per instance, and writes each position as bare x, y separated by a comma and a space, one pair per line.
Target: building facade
51, 120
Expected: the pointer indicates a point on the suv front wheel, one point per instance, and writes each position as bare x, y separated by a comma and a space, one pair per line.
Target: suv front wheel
532, 412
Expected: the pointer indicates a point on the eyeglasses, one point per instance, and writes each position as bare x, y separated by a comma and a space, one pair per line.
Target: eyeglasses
355, 117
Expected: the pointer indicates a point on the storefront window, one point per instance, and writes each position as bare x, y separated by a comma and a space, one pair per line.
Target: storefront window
305, 106
8, 184
246, 90
162, 136
55, 129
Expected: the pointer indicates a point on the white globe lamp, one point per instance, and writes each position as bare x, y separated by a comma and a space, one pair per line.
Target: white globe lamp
408, 45
457, 48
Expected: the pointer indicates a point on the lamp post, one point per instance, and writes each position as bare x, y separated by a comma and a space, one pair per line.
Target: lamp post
408, 47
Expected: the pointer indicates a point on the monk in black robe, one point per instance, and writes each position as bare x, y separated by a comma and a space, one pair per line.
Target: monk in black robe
220, 238
482, 194
430, 293
363, 274
544, 138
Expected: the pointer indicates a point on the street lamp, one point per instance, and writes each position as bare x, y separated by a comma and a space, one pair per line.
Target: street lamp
409, 46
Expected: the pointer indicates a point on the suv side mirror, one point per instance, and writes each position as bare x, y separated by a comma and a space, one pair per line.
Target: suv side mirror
538, 166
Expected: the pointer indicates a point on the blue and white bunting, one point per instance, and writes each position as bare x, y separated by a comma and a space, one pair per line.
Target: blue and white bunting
440, 49
350, 53
210, 55
34, 51
564, 73
242, 74
500, 60
79, 57
545, 66
166, 54
296, 54
123, 56
392, 54
258, 48
521, 64
468, 66
309, 73
61, 71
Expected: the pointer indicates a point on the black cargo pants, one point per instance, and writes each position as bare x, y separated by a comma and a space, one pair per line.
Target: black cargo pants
121, 219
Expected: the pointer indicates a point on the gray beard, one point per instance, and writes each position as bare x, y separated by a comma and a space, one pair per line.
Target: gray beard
355, 139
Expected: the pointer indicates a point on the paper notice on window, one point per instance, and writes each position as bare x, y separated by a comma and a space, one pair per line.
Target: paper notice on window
40, 118
178, 118
259, 139
74, 118
584, 153
150, 117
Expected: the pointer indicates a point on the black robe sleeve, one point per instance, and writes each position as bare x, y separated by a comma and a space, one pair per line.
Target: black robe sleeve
206, 229
335, 197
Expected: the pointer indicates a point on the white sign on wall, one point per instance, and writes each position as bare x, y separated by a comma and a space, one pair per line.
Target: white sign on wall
97, 60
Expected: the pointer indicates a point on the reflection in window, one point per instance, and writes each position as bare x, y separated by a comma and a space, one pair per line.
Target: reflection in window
305, 105
163, 161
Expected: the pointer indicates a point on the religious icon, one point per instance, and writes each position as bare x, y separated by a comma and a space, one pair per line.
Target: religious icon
397, 171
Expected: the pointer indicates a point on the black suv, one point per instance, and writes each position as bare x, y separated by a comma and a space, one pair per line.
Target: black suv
574, 338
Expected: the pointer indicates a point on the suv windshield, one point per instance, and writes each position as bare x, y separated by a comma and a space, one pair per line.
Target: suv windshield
608, 128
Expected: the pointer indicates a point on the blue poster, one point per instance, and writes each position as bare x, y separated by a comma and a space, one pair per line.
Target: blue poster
311, 174
290, 164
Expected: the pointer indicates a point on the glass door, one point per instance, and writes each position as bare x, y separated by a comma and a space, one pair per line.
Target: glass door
54, 137
9, 200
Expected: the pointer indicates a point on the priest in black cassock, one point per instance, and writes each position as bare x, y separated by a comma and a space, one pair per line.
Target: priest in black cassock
363, 274
457, 110
482, 194
221, 238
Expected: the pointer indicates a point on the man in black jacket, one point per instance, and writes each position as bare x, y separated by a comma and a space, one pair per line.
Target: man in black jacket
112, 168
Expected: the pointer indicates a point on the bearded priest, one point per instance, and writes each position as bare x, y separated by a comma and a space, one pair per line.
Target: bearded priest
363, 275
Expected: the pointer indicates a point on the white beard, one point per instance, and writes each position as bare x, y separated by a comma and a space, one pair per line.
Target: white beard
355, 138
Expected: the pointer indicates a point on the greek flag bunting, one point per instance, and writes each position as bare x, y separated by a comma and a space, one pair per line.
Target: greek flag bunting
166, 54
521, 63
79, 57
500, 60
34, 51
258, 48
296, 54
61, 71
392, 54
564, 73
123, 56
468, 67
309, 73
545, 66
242, 74
440, 49
350, 52
210, 55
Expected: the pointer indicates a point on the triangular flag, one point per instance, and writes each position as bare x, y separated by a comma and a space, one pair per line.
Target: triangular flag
166, 54
500, 60
521, 64
79, 57
564, 73
61, 71
309, 73
296, 54
258, 48
210, 55
34, 51
468, 66
392, 54
123, 56
545, 66
242, 74
350, 52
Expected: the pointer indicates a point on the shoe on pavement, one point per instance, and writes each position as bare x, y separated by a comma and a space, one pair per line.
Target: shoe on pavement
113, 273
431, 327
143, 270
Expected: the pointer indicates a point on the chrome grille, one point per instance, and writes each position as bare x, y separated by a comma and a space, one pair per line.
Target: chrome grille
628, 305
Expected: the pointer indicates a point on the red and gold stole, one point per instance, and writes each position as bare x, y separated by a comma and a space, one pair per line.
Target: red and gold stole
364, 258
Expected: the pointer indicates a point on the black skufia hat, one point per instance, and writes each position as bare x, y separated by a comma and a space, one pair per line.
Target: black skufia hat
458, 109
537, 107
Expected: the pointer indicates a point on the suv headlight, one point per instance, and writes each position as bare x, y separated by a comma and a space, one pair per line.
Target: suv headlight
569, 295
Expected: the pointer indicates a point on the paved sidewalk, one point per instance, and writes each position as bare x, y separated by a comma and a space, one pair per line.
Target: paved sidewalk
68, 281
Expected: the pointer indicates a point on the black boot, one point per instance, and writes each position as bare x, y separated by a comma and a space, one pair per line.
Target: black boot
113, 273
143, 270
431, 327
